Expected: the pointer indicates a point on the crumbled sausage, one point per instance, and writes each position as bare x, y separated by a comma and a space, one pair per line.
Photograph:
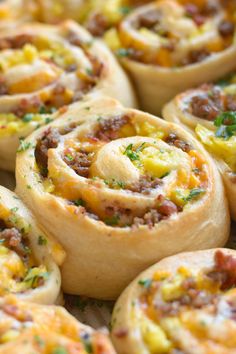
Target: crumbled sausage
97, 24
173, 139
80, 163
49, 140
226, 28
145, 185
108, 129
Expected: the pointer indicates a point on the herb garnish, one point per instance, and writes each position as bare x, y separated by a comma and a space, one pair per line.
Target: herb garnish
112, 221
23, 145
226, 125
42, 241
146, 283
194, 193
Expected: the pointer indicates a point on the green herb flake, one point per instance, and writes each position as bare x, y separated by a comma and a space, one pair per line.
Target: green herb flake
28, 117
125, 10
14, 210
89, 71
48, 120
69, 157
60, 350
123, 52
146, 283
194, 193
79, 202
23, 145
42, 241
112, 221
226, 125
39, 341
130, 153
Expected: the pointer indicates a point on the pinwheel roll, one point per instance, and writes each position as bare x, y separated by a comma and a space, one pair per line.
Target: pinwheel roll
10, 10
119, 189
31, 328
54, 11
184, 304
28, 259
42, 69
169, 46
210, 112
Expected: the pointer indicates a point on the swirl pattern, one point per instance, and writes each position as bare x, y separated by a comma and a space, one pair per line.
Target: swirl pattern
27, 255
42, 69
31, 328
123, 180
209, 111
185, 303
169, 46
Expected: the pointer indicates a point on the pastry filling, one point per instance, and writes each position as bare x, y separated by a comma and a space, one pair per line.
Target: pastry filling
217, 104
49, 72
175, 310
175, 33
19, 270
162, 169
46, 330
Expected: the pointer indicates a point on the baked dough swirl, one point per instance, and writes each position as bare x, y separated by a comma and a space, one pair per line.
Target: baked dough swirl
119, 189
54, 11
28, 258
183, 304
42, 69
210, 112
31, 328
169, 46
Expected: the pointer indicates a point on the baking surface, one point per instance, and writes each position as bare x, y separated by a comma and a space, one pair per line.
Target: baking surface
92, 312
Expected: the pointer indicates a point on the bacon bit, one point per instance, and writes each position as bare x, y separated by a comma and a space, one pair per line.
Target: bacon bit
121, 333
108, 129
173, 139
97, 24
49, 140
166, 207
224, 270
14, 311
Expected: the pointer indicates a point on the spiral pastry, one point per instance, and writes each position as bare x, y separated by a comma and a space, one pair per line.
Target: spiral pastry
31, 328
43, 69
210, 112
27, 256
54, 11
169, 46
119, 189
184, 304
10, 10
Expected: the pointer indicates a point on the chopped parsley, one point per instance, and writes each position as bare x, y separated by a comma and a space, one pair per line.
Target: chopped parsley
194, 193
146, 283
39, 341
226, 125
125, 10
69, 157
79, 202
23, 145
48, 120
15, 209
112, 221
28, 117
123, 52
60, 350
42, 241
130, 153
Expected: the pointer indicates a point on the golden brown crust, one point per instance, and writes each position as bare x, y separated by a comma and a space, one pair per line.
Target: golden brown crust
179, 111
126, 320
108, 255
45, 68
159, 82
41, 281
31, 328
